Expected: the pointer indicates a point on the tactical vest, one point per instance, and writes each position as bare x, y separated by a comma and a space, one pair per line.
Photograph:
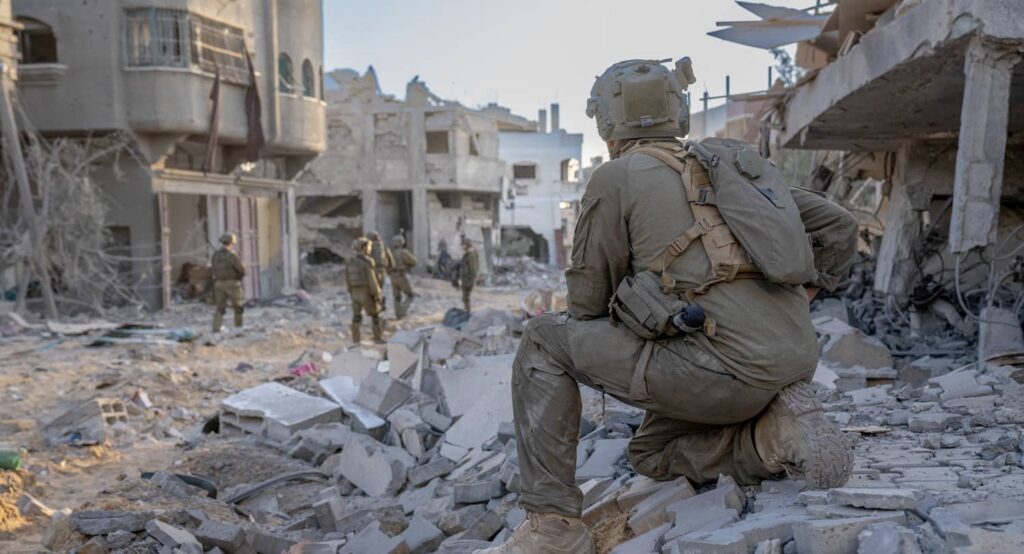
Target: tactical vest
743, 214
355, 271
222, 265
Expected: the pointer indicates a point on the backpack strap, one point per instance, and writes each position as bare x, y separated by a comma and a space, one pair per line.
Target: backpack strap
728, 260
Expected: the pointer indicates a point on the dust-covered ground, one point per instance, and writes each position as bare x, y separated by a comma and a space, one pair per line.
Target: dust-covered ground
42, 374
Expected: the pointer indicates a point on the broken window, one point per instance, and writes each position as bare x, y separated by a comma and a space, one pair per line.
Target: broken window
473, 149
37, 42
285, 82
308, 80
524, 171
157, 37
437, 142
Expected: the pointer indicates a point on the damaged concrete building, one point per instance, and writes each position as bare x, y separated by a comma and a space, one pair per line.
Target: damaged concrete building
541, 202
175, 77
920, 105
422, 166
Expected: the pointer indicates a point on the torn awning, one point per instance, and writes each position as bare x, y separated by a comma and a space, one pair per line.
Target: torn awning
778, 26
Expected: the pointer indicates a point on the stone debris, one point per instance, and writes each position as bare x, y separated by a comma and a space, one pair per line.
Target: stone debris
86, 423
274, 411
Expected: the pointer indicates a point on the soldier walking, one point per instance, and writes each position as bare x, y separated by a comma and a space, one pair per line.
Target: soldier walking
405, 260
467, 271
384, 261
725, 389
227, 272
364, 289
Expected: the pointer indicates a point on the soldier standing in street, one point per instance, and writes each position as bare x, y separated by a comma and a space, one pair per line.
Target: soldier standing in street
405, 260
384, 263
227, 272
467, 272
364, 289
726, 388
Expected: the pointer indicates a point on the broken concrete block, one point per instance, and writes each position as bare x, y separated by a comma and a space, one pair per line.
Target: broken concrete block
644, 543
315, 444
436, 420
837, 536
602, 461
86, 423
480, 423
871, 396
390, 516
961, 384
770, 546
887, 537
265, 542
102, 522
372, 539
406, 351
328, 509
652, 512
438, 467
214, 534
173, 537
482, 491
382, 394
707, 511
443, 341
876, 499
849, 347
353, 364
421, 536
932, 422
343, 390
743, 535
484, 527
274, 411
999, 334
457, 521
373, 467
485, 378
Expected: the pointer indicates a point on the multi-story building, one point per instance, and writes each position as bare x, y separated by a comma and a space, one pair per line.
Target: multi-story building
541, 202
223, 103
422, 166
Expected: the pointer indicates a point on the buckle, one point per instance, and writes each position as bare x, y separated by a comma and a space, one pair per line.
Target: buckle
702, 198
704, 226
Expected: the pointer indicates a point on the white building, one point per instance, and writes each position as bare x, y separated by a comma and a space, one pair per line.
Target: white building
543, 185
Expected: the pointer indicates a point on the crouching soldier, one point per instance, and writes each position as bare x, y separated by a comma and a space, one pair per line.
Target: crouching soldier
404, 261
227, 272
363, 287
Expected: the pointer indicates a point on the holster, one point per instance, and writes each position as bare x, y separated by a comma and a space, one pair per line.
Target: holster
640, 305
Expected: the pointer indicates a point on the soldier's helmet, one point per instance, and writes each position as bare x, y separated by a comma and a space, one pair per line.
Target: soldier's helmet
373, 235
227, 238
641, 99
398, 241
360, 243
466, 241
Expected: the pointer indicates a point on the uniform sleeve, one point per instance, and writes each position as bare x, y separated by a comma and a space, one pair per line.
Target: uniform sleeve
389, 259
238, 266
409, 259
833, 233
474, 266
600, 249
371, 280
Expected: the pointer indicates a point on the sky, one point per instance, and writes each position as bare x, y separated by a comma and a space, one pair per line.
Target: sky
526, 54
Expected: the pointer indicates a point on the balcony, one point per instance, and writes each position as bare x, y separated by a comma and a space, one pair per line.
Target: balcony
469, 173
303, 125
177, 100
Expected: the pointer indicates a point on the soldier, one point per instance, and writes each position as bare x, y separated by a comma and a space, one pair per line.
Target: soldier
404, 262
467, 271
384, 261
363, 287
729, 397
227, 272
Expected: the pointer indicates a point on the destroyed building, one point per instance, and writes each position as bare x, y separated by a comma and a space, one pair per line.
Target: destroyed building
422, 166
541, 202
915, 111
215, 141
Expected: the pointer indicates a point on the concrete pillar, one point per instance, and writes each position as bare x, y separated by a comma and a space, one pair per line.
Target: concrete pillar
291, 240
978, 181
420, 226
369, 198
555, 123
908, 198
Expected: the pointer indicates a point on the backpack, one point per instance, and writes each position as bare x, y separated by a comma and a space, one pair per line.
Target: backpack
744, 215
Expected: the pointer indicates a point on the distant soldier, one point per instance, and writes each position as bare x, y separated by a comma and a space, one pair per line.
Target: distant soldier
363, 287
227, 272
404, 262
384, 262
468, 270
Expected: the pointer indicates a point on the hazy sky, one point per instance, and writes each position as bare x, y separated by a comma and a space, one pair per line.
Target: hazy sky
525, 54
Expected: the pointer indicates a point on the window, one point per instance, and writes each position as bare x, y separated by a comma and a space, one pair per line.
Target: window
285, 81
437, 142
308, 80
524, 171
37, 42
473, 149
157, 37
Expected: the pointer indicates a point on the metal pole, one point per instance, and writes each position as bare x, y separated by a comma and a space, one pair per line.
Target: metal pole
726, 88
704, 131
769, 77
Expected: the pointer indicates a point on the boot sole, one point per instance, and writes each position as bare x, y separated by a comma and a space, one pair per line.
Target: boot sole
828, 455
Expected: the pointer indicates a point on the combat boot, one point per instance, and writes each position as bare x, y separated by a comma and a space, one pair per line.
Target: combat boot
354, 328
546, 534
794, 436
378, 332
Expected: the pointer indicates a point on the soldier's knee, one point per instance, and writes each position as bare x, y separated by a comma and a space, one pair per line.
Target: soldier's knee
646, 458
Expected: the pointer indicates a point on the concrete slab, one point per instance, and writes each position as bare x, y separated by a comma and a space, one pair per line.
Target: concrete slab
343, 390
382, 394
274, 411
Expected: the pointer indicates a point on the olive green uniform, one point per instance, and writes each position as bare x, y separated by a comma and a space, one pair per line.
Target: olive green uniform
701, 394
364, 289
404, 260
384, 262
227, 270
468, 271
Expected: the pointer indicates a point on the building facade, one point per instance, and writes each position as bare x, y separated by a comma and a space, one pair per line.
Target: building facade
541, 201
420, 166
216, 142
